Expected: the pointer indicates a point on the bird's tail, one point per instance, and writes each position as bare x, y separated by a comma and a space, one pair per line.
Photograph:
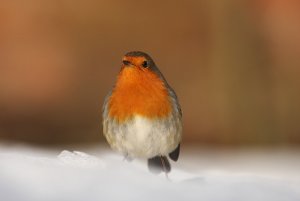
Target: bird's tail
159, 164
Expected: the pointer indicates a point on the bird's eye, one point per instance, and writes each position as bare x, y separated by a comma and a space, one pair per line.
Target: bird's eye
145, 64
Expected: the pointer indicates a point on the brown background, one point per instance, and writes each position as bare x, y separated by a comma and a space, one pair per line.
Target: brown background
234, 64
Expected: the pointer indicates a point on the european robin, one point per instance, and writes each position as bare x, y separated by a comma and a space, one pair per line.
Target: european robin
141, 114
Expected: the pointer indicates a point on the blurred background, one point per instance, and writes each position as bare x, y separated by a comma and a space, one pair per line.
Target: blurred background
234, 64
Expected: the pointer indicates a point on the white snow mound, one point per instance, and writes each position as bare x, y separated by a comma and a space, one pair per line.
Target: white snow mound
78, 176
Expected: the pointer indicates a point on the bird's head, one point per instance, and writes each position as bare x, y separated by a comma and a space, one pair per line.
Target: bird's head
140, 64
138, 60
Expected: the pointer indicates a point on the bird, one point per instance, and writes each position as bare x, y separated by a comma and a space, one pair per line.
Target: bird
142, 117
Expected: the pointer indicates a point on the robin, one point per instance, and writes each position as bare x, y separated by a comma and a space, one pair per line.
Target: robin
141, 114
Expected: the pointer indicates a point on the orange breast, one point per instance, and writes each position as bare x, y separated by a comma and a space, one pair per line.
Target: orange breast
139, 91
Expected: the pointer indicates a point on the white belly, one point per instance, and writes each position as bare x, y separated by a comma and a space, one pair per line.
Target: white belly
142, 137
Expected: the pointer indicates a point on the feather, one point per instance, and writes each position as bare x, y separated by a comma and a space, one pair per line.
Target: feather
159, 164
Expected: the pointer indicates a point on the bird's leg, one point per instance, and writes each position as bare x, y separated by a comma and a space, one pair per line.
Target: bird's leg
127, 158
164, 166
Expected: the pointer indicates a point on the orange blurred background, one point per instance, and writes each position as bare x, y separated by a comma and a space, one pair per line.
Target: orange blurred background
235, 66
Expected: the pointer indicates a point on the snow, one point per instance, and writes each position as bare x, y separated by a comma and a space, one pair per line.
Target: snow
28, 174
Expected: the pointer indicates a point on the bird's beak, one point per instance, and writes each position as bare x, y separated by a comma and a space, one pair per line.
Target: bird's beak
126, 63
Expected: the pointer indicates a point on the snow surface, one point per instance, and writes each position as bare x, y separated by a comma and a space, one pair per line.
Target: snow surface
28, 174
